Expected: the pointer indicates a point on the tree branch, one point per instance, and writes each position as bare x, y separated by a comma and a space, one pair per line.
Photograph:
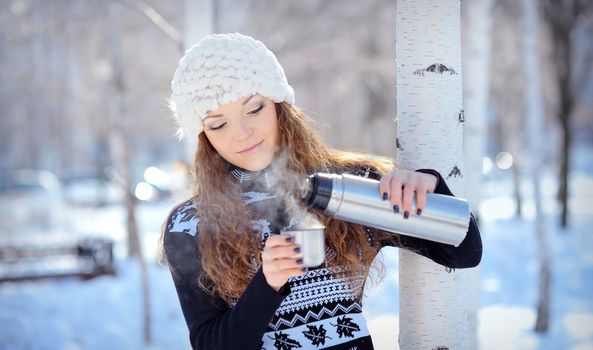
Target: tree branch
159, 21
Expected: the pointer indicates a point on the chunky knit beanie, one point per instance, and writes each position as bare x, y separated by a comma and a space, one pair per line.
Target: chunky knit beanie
219, 69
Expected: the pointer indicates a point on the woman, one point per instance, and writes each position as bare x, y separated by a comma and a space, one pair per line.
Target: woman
241, 285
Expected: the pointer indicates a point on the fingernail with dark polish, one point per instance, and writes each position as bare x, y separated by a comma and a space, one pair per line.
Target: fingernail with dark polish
418, 211
297, 249
406, 214
299, 261
304, 269
289, 239
385, 196
396, 208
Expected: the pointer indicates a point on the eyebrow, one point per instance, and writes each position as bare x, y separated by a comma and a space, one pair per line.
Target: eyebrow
247, 100
220, 115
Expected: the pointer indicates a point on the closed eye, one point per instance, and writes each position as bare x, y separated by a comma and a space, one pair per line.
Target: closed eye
217, 127
258, 109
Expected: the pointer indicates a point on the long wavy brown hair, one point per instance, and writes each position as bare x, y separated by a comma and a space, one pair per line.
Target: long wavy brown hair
229, 251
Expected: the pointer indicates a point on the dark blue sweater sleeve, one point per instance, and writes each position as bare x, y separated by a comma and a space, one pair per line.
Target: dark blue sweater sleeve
467, 254
211, 323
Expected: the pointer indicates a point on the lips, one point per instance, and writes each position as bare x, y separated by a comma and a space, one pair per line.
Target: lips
251, 149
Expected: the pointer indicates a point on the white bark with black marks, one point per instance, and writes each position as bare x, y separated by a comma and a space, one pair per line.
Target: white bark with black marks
433, 312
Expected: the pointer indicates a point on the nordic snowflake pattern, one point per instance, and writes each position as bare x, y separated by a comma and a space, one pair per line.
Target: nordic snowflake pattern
323, 309
319, 335
184, 219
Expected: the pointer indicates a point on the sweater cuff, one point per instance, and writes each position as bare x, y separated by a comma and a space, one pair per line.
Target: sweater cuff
441, 186
260, 284
284, 290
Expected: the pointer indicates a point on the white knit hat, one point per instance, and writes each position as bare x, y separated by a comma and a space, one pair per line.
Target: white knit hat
219, 69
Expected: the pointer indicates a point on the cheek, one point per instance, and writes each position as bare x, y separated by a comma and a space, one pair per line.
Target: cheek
273, 126
276, 133
217, 142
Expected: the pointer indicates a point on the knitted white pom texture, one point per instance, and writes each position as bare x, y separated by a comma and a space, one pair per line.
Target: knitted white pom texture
219, 69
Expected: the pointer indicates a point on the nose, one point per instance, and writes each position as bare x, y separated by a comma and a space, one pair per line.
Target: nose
244, 129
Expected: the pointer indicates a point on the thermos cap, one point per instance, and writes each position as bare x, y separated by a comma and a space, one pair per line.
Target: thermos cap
317, 191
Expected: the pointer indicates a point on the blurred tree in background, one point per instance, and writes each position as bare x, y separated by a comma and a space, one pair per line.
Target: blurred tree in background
338, 55
84, 92
570, 27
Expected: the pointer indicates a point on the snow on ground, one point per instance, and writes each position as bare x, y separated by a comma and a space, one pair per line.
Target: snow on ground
106, 313
509, 269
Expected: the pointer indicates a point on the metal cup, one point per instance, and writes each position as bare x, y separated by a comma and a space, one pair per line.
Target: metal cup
312, 244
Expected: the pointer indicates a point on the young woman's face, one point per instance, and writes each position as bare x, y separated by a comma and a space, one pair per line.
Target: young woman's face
245, 132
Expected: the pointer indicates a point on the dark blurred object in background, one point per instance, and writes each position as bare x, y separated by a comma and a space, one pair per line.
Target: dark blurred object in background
30, 200
89, 258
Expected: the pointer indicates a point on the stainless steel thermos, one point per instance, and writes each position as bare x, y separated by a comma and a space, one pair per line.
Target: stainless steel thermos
444, 219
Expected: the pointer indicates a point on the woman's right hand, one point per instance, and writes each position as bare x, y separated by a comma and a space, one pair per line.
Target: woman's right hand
281, 259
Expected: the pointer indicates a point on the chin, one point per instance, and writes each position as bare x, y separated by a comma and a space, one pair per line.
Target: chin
256, 166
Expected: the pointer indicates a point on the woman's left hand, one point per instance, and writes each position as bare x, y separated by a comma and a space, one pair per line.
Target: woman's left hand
399, 187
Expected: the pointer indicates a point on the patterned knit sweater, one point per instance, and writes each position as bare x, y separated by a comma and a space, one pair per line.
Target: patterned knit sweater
319, 310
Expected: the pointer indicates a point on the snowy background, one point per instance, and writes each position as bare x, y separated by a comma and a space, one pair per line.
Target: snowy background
106, 312
60, 88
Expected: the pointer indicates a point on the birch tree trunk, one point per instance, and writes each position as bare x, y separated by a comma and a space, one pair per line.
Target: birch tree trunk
429, 129
476, 43
534, 132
